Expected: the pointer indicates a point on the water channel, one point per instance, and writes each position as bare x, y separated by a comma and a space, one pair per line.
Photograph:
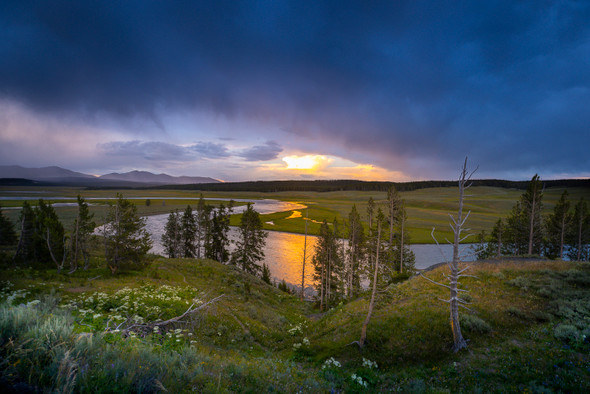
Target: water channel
284, 251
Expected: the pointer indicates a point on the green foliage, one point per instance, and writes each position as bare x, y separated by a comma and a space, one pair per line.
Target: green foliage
81, 235
216, 238
251, 243
525, 230
579, 233
125, 238
49, 238
172, 237
474, 324
266, 274
557, 225
188, 233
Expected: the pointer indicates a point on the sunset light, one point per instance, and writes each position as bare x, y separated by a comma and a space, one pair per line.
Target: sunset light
307, 162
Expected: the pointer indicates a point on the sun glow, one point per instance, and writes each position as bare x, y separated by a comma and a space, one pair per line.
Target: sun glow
307, 162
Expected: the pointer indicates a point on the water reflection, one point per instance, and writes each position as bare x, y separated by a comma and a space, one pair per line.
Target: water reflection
284, 251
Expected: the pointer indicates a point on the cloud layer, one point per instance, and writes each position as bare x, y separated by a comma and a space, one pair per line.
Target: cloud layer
408, 86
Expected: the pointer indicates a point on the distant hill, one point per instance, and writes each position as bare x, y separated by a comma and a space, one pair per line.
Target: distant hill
60, 176
38, 174
157, 179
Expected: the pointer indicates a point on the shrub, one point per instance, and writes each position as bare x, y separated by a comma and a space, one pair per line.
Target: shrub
566, 333
474, 324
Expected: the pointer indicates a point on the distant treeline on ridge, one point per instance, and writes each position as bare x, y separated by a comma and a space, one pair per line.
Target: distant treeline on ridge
353, 185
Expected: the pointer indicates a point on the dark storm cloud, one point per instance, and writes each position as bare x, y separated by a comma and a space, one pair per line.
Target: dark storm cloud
269, 151
393, 83
210, 150
154, 150
147, 150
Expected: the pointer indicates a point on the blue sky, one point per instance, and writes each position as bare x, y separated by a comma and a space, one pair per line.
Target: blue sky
395, 90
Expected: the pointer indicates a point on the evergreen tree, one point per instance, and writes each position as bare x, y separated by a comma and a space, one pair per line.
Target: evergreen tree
579, 235
324, 251
217, 243
82, 231
516, 231
172, 237
403, 258
355, 259
557, 225
188, 233
203, 226
125, 237
7, 236
525, 224
251, 242
533, 206
7, 233
25, 248
49, 238
266, 274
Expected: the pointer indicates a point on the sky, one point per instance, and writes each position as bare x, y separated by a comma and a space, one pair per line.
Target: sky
260, 90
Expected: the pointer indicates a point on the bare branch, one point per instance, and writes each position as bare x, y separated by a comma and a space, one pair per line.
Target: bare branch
436, 283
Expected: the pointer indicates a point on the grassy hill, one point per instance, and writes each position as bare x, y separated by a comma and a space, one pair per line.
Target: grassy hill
528, 331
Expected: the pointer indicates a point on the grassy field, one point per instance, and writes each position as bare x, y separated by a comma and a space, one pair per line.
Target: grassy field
426, 208
528, 332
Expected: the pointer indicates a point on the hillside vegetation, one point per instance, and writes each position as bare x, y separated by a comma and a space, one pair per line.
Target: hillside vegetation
528, 331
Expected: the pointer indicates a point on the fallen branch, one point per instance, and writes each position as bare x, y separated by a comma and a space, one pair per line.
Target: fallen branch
148, 327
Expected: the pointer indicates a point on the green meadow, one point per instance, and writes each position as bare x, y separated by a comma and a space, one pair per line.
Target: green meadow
527, 329
426, 208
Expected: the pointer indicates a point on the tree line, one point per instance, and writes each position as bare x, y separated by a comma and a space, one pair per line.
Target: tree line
348, 254
204, 232
564, 232
354, 185
44, 241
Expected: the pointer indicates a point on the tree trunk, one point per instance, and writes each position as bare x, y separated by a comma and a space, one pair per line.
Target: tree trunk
304, 258
401, 252
372, 302
532, 221
562, 236
580, 236
458, 340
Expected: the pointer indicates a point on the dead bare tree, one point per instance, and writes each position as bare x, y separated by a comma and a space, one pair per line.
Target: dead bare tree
457, 226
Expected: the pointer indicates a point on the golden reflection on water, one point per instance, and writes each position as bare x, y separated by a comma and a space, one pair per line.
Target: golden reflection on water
284, 256
294, 215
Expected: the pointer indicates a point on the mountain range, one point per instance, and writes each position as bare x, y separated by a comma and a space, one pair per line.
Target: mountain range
58, 175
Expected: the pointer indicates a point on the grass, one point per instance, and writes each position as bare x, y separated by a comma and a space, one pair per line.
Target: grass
528, 331
426, 208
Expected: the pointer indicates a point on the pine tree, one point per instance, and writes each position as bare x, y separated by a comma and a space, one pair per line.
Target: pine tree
355, 257
125, 237
517, 231
579, 235
525, 224
188, 232
203, 226
217, 243
49, 237
251, 242
557, 225
266, 274
533, 206
172, 237
25, 248
82, 231
7, 236
7, 233
324, 251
